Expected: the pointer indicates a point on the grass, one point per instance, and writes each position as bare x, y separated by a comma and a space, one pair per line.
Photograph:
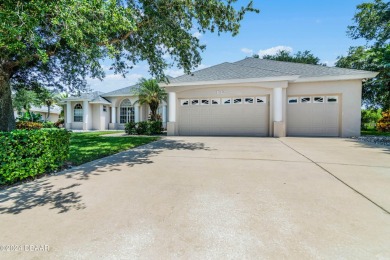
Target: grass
374, 132
89, 146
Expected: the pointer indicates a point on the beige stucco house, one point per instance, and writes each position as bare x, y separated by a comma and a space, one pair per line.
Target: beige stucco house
250, 97
54, 115
256, 97
106, 111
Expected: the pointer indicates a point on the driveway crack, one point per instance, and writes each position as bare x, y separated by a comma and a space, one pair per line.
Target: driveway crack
337, 178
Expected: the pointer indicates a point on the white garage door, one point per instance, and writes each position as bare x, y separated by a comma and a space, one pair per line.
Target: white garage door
236, 116
313, 116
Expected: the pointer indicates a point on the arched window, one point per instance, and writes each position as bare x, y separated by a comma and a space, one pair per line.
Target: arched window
126, 112
78, 113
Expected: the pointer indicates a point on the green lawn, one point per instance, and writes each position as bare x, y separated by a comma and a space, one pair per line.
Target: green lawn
374, 132
89, 146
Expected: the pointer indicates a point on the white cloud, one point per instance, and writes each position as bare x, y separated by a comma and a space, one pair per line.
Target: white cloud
114, 81
197, 35
274, 50
247, 51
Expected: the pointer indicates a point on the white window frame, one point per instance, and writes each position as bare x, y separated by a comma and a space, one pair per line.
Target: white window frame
78, 113
126, 112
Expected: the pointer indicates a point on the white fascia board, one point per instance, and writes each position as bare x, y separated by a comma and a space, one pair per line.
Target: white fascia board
367, 75
118, 95
100, 102
231, 81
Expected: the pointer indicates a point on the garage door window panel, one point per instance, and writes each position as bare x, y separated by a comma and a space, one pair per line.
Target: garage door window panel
215, 101
195, 102
261, 100
237, 101
249, 100
226, 101
305, 99
205, 102
318, 100
184, 102
292, 100
332, 99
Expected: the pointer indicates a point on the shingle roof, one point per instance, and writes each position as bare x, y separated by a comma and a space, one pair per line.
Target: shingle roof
261, 68
121, 91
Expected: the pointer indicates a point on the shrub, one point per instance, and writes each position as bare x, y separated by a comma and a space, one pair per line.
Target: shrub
25, 154
30, 116
131, 128
28, 125
48, 124
369, 118
155, 127
383, 124
144, 128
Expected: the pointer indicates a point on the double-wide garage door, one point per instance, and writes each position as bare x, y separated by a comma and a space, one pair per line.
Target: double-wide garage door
313, 116
240, 116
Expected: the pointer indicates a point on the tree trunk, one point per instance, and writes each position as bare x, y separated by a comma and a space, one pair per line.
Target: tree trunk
7, 118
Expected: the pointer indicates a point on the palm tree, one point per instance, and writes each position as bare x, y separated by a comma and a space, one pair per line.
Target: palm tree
48, 98
149, 92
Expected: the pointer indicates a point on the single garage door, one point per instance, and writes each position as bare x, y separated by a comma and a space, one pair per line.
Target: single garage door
313, 116
235, 116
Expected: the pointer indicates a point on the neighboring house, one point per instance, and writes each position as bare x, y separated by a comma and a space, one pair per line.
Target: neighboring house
256, 97
251, 97
102, 111
55, 112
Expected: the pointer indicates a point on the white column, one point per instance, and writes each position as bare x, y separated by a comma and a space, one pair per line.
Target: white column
113, 115
278, 104
164, 114
85, 114
68, 112
68, 124
136, 113
172, 106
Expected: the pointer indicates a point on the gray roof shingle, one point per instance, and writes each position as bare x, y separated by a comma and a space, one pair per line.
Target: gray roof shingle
121, 91
261, 68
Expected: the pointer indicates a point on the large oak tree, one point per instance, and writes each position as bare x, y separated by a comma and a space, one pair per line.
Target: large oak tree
60, 43
372, 23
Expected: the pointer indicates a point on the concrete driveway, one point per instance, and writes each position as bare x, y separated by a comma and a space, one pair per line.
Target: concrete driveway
208, 198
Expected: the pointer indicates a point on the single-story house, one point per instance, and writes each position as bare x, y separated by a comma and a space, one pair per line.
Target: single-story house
250, 97
55, 112
103, 111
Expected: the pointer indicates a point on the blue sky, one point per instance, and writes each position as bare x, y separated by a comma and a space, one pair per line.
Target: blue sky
318, 26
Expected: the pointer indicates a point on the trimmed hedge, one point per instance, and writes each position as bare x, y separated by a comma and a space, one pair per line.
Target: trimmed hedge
144, 128
28, 125
383, 124
29, 153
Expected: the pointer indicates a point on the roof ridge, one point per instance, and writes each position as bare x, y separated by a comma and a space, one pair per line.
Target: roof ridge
203, 69
305, 64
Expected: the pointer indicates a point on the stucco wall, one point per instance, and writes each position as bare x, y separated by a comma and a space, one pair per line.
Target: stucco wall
350, 93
